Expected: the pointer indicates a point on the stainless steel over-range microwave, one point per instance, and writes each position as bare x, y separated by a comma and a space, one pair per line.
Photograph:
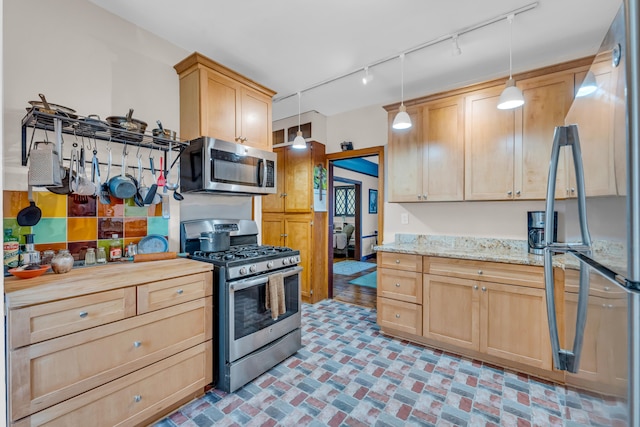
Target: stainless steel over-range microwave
213, 165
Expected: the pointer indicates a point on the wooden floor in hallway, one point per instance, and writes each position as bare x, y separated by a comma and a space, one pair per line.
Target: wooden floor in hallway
345, 292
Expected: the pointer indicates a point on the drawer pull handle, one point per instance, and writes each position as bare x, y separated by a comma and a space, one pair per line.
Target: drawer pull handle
479, 271
137, 398
397, 261
475, 287
137, 344
179, 291
397, 285
397, 316
83, 314
484, 289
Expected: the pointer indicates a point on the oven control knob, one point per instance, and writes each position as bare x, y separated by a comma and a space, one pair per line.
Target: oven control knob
285, 261
292, 260
253, 268
243, 271
270, 264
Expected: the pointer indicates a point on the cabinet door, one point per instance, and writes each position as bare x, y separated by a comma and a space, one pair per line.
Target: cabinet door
220, 106
298, 231
513, 321
298, 181
594, 115
275, 202
451, 311
489, 147
273, 231
443, 150
547, 100
405, 160
255, 119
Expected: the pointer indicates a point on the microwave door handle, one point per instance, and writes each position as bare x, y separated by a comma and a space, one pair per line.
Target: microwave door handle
262, 172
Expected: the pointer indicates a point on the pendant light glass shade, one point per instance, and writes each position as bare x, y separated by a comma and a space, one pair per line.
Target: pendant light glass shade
299, 142
588, 86
511, 97
402, 119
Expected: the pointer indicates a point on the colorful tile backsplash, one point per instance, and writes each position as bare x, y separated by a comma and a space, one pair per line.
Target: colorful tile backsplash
76, 223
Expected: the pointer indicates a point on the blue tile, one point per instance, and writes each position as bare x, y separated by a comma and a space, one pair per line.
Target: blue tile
50, 230
157, 225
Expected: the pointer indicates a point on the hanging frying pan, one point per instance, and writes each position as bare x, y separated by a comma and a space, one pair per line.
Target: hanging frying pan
29, 216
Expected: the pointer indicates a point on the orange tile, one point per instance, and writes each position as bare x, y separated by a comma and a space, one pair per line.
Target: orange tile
13, 202
80, 229
52, 205
155, 210
135, 227
113, 210
132, 240
53, 246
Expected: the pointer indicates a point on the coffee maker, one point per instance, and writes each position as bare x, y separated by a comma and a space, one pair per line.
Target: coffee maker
535, 222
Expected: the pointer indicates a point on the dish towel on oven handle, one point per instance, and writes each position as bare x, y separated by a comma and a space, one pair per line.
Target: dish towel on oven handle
275, 298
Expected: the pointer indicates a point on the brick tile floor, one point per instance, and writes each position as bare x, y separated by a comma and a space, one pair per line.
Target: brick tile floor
349, 374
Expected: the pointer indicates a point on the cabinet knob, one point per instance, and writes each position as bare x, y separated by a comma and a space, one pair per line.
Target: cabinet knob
397, 285
83, 314
397, 261
475, 287
518, 193
137, 398
509, 193
397, 316
484, 289
424, 196
479, 271
610, 306
573, 190
419, 197
284, 194
606, 288
137, 344
179, 291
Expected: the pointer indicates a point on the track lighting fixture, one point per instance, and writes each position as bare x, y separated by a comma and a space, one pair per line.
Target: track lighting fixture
367, 77
456, 48
402, 119
299, 142
511, 97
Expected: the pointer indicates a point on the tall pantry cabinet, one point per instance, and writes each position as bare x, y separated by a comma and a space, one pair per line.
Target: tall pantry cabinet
289, 218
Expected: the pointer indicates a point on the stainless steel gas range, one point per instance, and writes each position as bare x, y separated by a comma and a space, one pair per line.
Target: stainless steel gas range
249, 341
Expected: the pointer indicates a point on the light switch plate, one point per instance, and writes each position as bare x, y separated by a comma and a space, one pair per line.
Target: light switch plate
404, 218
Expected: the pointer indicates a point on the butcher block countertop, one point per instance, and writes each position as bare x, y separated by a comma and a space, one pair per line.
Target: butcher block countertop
88, 280
487, 249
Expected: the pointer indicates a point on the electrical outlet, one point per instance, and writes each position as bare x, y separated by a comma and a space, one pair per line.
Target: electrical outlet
404, 218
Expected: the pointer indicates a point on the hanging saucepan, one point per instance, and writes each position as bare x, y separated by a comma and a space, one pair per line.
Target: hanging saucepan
134, 128
122, 186
214, 241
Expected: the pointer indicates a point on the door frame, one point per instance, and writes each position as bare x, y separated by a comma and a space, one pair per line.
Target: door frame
350, 154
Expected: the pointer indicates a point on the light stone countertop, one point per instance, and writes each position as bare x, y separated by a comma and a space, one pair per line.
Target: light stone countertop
486, 249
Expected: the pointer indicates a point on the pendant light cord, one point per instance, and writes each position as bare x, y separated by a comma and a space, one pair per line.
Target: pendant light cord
510, 19
299, 96
402, 78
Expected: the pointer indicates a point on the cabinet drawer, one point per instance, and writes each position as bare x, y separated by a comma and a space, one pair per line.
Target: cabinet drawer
400, 285
513, 274
47, 373
154, 296
399, 315
407, 262
598, 285
54, 319
134, 398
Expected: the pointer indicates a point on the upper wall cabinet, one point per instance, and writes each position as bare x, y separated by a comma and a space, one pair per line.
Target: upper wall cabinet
426, 162
218, 102
508, 151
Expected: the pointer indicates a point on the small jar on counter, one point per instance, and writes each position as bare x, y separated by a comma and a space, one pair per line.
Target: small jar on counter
62, 262
47, 256
101, 258
90, 257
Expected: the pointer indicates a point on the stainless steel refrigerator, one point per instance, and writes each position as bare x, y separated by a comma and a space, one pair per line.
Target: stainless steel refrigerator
597, 152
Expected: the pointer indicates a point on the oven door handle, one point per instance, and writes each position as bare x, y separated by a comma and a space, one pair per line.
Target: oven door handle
248, 283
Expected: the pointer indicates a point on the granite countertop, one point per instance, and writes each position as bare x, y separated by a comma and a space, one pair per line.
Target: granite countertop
486, 249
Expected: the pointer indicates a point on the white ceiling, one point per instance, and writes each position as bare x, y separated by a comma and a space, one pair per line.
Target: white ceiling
291, 45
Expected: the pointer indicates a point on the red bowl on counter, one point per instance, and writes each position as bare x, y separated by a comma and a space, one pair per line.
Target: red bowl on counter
29, 274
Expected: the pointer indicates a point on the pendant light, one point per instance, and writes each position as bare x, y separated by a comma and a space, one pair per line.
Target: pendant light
511, 97
402, 119
588, 86
299, 142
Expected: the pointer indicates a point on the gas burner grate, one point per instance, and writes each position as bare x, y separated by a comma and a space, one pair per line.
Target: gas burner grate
244, 252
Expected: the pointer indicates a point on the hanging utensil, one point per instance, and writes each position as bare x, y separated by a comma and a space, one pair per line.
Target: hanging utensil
138, 198
151, 194
104, 197
29, 216
179, 197
122, 186
161, 179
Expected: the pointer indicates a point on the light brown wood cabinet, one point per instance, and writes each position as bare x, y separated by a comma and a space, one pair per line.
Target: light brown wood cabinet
426, 161
77, 352
218, 102
493, 308
507, 150
289, 219
399, 302
603, 366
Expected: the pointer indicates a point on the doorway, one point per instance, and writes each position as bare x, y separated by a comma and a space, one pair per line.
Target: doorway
366, 233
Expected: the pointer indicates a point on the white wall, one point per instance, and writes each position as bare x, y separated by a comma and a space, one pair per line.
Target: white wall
85, 58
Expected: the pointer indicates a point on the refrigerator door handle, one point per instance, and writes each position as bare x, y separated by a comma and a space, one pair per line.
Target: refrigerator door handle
565, 359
